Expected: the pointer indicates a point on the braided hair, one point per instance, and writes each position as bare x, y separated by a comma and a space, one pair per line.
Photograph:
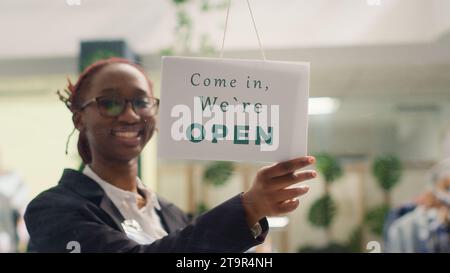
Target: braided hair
74, 94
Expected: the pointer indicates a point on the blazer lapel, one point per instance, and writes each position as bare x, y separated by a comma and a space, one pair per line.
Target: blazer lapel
89, 189
168, 220
167, 224
107, 205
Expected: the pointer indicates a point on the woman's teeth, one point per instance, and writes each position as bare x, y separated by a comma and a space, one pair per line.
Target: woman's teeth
126, 134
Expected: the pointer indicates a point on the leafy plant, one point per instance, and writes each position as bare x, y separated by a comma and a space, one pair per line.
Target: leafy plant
355, 240
375, 218
218, 173
179, 2
201, 208
100, 54
184, 33
329, 167
332, 247
168, 51
322, 211
207, 6
387, 170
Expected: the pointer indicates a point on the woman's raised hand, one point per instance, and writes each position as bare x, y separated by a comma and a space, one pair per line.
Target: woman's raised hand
269, 195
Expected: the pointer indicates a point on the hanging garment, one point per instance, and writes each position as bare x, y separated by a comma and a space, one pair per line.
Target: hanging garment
419, 231
8, 240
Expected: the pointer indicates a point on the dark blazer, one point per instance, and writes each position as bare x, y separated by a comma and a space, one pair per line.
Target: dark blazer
77, 209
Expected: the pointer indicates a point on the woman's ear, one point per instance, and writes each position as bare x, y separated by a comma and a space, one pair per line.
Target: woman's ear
77, 121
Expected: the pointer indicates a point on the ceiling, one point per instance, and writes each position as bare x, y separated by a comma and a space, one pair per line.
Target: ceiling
53, 28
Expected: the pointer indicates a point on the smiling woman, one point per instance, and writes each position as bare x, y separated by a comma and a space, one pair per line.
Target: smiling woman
106, 208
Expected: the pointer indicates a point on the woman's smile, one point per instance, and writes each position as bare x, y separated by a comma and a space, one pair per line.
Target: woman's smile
128, 135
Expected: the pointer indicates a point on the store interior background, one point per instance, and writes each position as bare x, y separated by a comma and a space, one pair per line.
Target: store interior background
384, 65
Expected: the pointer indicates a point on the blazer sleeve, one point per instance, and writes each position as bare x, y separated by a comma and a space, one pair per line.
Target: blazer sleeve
52, 224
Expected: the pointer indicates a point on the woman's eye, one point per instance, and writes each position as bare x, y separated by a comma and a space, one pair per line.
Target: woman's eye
109, 103
111, 106
141, 103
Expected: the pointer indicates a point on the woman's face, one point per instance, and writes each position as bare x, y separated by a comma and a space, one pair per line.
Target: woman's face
119, 138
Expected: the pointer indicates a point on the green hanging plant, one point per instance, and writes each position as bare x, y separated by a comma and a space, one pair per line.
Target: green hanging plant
329, 167
218, 173
184, 34
387, 170
322, 211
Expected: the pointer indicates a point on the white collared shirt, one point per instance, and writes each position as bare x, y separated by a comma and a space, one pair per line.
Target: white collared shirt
141, 225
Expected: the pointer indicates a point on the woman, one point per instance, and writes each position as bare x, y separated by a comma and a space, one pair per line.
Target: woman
106, 208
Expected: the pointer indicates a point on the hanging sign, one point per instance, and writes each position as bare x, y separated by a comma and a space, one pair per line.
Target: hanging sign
230, 109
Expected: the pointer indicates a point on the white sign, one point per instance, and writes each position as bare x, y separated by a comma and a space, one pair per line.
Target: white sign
230, 109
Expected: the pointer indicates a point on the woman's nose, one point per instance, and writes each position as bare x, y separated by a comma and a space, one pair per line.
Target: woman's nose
128, 114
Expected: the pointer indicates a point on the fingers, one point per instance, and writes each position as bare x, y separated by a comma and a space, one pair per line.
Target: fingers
289, 179
288, 206
288, 194
286, 167
270, 186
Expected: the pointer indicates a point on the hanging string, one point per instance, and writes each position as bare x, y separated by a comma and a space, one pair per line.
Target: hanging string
225, 29
256, 30
254, 26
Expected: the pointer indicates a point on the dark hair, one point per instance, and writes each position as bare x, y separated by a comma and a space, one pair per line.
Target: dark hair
74, 95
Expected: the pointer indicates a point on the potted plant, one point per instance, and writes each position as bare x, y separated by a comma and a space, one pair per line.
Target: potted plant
324, 209
387, 169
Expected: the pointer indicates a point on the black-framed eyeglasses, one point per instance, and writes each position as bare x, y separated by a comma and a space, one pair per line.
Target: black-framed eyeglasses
113, 106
